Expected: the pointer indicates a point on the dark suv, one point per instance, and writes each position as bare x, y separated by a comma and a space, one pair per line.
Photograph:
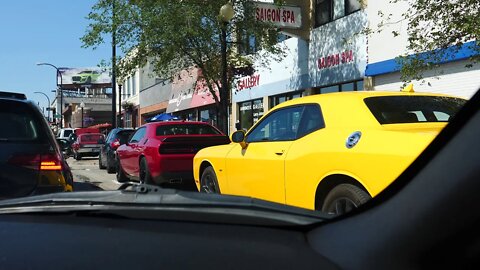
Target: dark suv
31, 161
115, 138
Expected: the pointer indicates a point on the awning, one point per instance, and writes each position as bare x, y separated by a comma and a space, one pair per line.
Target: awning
202, 95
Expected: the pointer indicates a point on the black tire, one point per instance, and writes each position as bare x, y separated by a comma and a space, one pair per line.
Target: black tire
344, 198
88, 80
209, 182
78, 156
145, 176
121, 176
100, 165
110, 169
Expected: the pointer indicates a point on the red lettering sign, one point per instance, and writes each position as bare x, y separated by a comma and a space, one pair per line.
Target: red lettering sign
248, 82
335, 59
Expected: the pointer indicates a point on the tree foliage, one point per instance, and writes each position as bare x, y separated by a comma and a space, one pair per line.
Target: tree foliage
437, 29
177, 35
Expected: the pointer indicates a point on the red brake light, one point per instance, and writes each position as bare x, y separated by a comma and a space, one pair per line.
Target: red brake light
115, 144
47, 162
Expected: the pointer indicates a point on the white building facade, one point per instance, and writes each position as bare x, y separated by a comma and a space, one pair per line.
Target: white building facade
452, 77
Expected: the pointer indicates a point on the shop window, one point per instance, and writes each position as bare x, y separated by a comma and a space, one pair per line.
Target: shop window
275, 100
344, 87
250, 112
330, 89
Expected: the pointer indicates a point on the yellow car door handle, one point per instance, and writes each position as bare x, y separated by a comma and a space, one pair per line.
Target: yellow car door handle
279, 153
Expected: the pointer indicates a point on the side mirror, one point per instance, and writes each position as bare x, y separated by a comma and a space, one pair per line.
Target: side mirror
239, 137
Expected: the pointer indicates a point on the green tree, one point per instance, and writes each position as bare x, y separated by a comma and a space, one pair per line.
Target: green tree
177, 35
432, 27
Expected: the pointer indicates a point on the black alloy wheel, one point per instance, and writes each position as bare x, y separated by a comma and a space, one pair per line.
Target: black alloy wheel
121, 176
344, 198
145, 176
208, 181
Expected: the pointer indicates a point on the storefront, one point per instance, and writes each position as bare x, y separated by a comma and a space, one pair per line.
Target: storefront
338, 55
453, 75
252, 96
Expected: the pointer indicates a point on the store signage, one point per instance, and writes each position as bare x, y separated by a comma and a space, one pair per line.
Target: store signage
280, 16
335, 59
248, 82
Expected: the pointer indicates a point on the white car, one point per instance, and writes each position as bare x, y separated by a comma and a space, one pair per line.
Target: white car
64, 133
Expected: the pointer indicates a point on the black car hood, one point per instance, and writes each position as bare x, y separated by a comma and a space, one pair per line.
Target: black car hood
153, 202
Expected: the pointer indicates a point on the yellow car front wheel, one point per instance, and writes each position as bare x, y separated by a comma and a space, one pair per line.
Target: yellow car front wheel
208, 181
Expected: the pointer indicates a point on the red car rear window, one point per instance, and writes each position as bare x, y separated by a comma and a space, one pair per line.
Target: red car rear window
91, 138
186, 129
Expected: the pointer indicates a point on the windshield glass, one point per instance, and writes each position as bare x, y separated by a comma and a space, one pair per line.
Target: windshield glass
318, 105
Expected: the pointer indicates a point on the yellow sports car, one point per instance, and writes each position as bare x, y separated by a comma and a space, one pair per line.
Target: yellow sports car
329, 152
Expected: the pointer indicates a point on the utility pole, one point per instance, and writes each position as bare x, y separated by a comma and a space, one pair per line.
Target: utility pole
114, 67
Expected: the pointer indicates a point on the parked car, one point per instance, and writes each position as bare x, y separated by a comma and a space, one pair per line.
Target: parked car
116, 137
31, 161
87, 145
329, 152
64, 133
161, 153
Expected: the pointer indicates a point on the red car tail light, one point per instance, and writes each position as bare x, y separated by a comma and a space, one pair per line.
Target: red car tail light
50, 163
115, 144
46, 162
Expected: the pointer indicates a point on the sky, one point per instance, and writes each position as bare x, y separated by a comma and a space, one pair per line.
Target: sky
33, 31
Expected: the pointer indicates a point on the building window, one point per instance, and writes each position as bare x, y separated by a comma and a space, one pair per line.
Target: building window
330, 10
128, 119
250, 112
248, 43
275, 100
134, 85
343, 87
323, 12
351, 6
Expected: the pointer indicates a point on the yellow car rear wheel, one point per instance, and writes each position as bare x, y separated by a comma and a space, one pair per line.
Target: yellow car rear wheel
344, 198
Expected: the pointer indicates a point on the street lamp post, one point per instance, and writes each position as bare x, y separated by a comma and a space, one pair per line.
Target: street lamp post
61, 89
48, 108
120, 124
82, 105
226, 14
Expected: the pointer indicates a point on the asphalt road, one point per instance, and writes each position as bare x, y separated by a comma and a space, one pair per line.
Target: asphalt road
87, 175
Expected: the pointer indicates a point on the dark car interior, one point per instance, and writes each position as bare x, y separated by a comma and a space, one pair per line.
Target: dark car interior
427, 219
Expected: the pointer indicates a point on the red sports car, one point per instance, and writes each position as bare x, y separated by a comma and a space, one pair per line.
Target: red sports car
161, 153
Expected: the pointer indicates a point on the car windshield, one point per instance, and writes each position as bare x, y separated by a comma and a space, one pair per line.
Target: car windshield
317, 105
